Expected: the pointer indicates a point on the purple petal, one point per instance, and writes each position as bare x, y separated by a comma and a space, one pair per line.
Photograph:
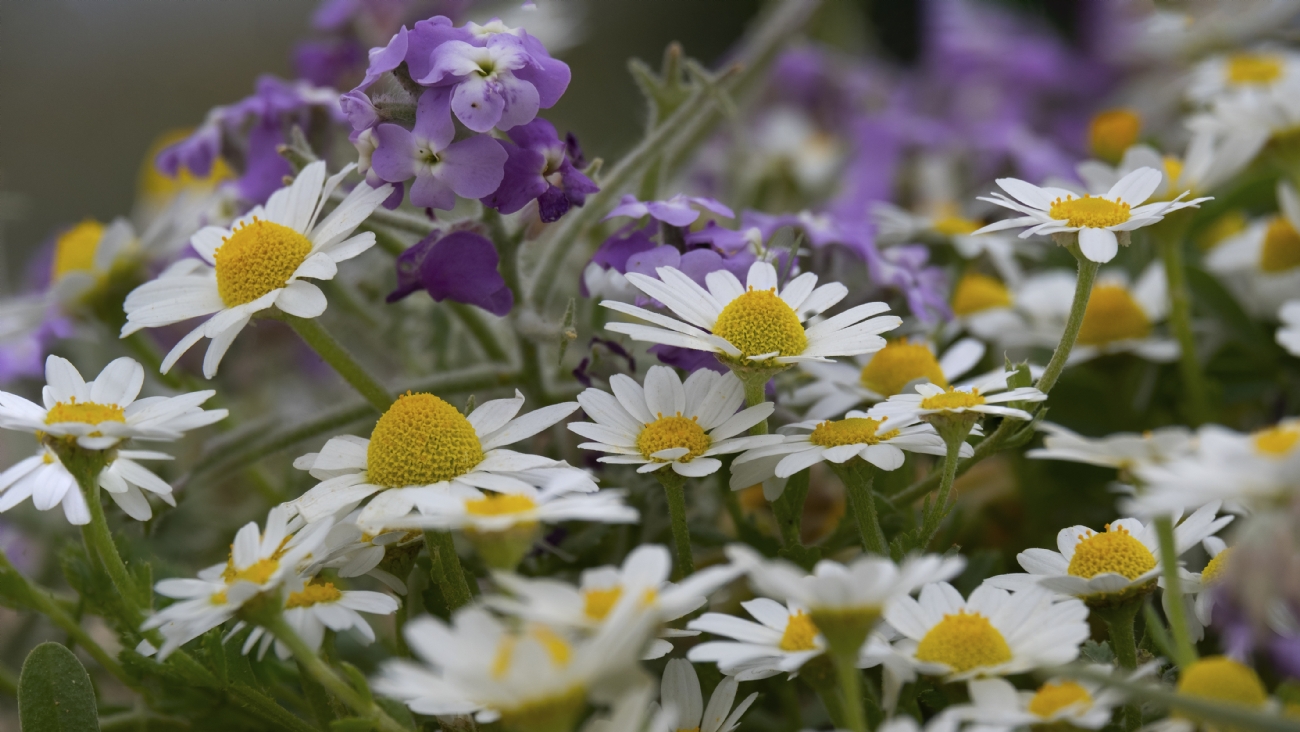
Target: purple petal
553, 203
431, 191
265, 168
549, 76
477, 103
615, 251
522, 180
385, 59
520, 102
687, 359
394, 156
648, 261
628, 206
727, 241
699, 262
359, 110
538, 135
474, 166
426, 37
463, 267
433, 118
712, 205
676, 211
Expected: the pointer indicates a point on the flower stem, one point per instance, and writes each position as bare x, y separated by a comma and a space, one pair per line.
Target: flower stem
755, 394
858, 476
953, 430
98, 538
851, 689
1119, 622
334, 354
1183, 650
1170, 246
450, 576
675, 489
1082, 292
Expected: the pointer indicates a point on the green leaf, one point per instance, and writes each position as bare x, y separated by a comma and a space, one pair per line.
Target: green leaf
54, 692
1098, 652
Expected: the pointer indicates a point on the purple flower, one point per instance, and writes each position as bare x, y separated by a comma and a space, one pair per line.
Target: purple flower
616, 250
27, 328
541, 167
325, 62
461, 266
687, 359
471, 168
676, 211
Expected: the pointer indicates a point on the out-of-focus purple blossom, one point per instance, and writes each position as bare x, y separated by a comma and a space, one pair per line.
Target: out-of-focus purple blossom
727, 241
599, 352
687, 359
19, 548
544, 168
677, 211
461, 266
27, 328
904, 268
617, 249
326, 62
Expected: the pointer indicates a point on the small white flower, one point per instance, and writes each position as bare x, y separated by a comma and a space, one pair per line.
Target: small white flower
1123, 451
470, 509
311, 606
43, 478
896, 225
997, 706
85, 255
1200, 596
680, 691
983, 397
782, 641
1261, 265
1252, 72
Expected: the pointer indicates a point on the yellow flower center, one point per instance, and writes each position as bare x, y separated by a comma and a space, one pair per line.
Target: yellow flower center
313, 593
155, 183
1253, 68
258, 572
850, 431
800, 633
956, 225
500, 504
1112, 132
976, 292
1089, 212
964, 641
421, 440
1214, 570
84, 412
1113, 315
1281, 250
74, 250
1115, 551
1279, 440
257, 258
760, 322
666, 433
953, 399
1053, 697
1228, 225
1173, 171
1222, 679
596, 604
898, 364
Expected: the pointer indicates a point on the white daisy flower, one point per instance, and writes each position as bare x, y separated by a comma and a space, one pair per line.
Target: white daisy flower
586, 607
1288, 336
1125, 451
838, 386
896, 225
201, 606
311, 606
782, 641
479, 513
994, 633
85, 256
1122, 561
354, 553
262, 261
982, 397
1049, 210
424, 442
1258, 71
680, 691
987, 308
752, 326
43, 478
1204, 585
1221, 680
1262, 264
997, 706
669, 423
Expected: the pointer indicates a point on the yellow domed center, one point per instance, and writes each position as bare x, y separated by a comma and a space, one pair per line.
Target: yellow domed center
1279, 440
850, 431
665, 433
760, 322
1113, 315
1090, 212
313, 593
956, 225
976, 292
500, 504
800, 633
1214, 570
1222, 679
596, 604
257, 258
1254, 68
1114, 551
1281, 250
74, 250
898, 364
258, 572
964, 641
84, 412
421, 440
1053, 697
953, 398
1112, 132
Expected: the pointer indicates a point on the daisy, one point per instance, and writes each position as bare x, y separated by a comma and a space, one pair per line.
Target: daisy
753, 327
86, 256
782, 641
1097, 219
354, 553
997, 706
1120, 562
311, 606
424, 442
680, 691
669, 423
986, 307
1259, 71
896, 225
1221, 680
488, 514
1124, 451
262, 261
1262, 264
1122, 317
983, 397
1205, 584
43, 478
1288, 336
994, 633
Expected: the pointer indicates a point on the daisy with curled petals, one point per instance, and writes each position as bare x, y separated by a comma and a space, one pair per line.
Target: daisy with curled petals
424, 442
93, 419
262, 261
982, 397
1097, 219
994, 633
680, 691
782, 641
670, 423
1125, 451
997, 706
753, 327
353, 552
311, 606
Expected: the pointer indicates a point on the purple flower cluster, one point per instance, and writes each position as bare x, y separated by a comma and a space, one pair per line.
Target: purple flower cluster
460, 266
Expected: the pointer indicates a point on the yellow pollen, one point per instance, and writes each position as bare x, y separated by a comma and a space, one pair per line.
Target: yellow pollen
257, 258
1053, 697
257, 573
218, 598
956, 225
964, 641
1214, 570
800, 633
666, 433
420, 440
1222, 679
596, 604
760, 322
976, 292
1278, 440
1115, 551
500, 504
898, 364
74, 250
1253, 68
1228, 225
84, 412
1090, 212
1113, 315
313, 593
1281, 250
850, 431
953, 399
1112, 132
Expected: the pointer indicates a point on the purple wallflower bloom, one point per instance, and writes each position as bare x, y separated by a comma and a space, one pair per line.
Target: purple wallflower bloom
687, 359
27, 328
616, 250
471, 168
461, 266
676, 211
541, 167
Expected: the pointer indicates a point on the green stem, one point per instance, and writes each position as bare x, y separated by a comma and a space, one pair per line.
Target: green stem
1184, 651
954, 436
675, 488
99, 543
1079, 306
851, 690
858, 476
1180, 319
450, 576
787, 521
473, 321
1120, 621
755, 394
334, 354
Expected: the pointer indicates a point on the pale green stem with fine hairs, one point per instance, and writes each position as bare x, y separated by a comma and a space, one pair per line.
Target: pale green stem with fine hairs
1119, 621
1183, 650
755, 394
675, 489
334, 354
953, 429
851, 689
448, 572
1169, 242
858, 476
